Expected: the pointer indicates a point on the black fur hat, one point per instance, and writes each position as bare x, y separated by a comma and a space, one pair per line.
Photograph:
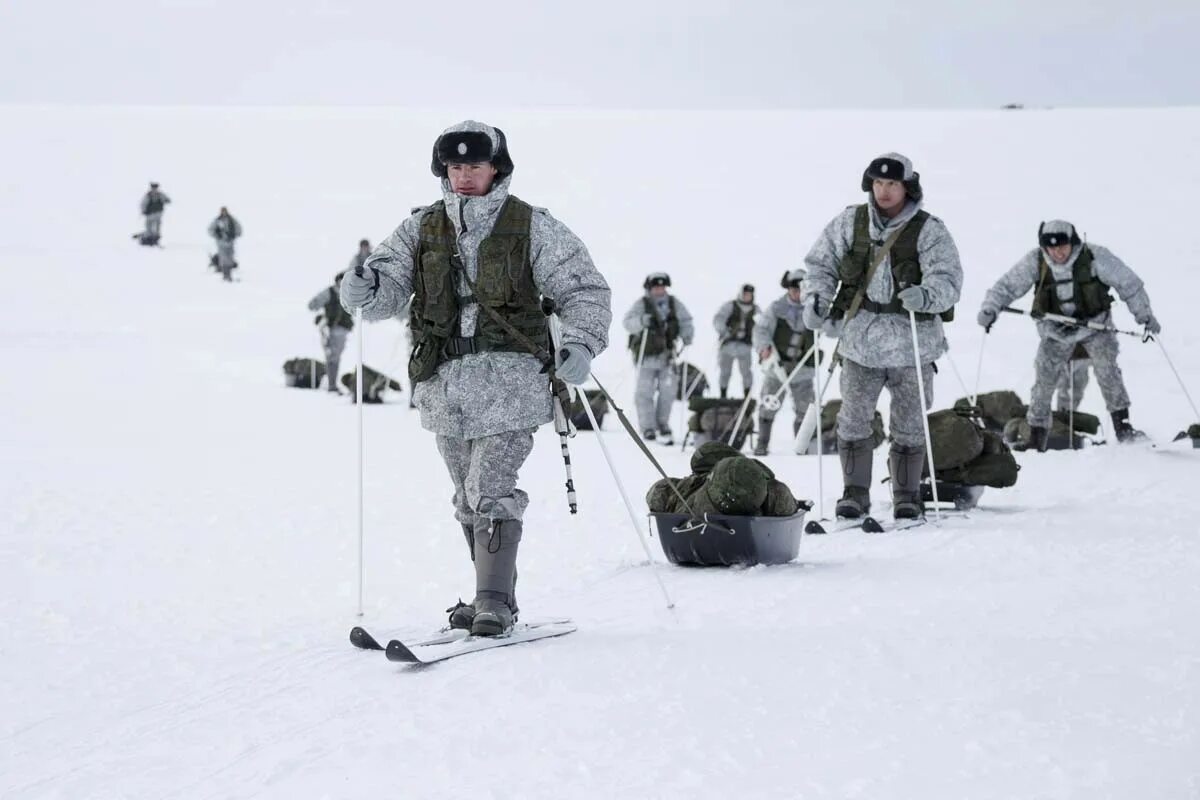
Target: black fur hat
747, 287
792, 279
471, 147
1060, 232
895, 167
656, 279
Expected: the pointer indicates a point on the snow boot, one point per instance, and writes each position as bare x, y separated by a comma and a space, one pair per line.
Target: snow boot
1038, 440
1123, 430
905, 464
856, 475
649, 435
495, 604
665, 437
764, 437
724, 392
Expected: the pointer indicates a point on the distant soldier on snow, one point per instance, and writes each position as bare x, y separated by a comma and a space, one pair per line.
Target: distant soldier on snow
154, 202
225, 229
335, 323
782, 339
656, 323
477, 264
734, 322
917, 269
1072, 279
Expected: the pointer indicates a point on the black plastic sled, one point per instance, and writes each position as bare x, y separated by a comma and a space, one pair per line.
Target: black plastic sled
749, 540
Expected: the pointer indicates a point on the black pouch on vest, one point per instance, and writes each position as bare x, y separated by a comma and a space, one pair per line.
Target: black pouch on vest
425, 357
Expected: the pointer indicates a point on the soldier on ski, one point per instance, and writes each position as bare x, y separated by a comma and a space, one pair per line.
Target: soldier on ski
476, 264
734, 322
873, 265
225, 229
334, 324
781, 339
657, 322
1072, 278
154, 202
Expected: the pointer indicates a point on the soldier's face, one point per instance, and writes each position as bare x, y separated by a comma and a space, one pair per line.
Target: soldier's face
658, 292
794, 294
1060, 252
472, 180
747, 297
889, 195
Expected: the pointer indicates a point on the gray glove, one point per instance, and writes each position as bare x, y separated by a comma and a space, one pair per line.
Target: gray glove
574, 363
833, 328
813, 315
987, 318
1151, 324
359, 287
647, 320
914, 298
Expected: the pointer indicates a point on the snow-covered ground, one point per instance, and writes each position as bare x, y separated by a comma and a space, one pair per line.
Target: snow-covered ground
177, 530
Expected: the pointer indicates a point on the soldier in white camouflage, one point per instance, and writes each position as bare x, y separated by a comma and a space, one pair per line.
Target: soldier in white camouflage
154, 203
659, 326
920, 273
734, 323
334, 324
1074, 279
476, 265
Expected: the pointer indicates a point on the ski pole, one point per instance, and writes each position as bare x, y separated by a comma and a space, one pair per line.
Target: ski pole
1071, 399
937, 512
1171, 364
562, 424
637, 528
1078, 323
358, 394
979, 369
820, 434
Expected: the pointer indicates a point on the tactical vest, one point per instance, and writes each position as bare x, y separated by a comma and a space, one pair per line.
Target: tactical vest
661, 335
335, 315
1091, 294
503, 282
791, 344
739, 325
906, 267
154, 203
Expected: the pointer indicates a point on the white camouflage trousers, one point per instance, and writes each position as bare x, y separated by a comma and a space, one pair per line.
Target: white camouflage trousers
730, 352
860, 397
656, 388
154, 223
333, 342
484, 472
1052, 356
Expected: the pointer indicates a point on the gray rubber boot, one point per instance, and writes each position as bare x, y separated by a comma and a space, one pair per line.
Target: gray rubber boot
764, 436
496, 544
905, 464
856, 477
463, 614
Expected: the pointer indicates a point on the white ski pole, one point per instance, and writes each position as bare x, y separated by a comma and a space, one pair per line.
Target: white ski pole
683, 389
937, 512
820, 433
1171, 364
358, 394
979, 369
1071, 398
637, 529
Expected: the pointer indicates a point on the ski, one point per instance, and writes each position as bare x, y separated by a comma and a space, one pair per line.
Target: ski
872, 525
365, 641
839, 524
430, 652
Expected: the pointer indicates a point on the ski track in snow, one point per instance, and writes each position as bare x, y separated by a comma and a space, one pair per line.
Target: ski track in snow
177, 530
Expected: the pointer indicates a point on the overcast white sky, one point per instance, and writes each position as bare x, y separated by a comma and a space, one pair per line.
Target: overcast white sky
608, 53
